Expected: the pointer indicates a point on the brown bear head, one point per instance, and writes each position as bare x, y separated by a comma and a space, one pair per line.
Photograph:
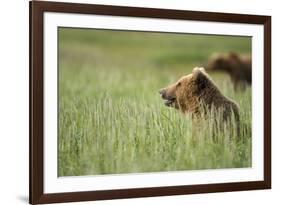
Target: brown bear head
185, 94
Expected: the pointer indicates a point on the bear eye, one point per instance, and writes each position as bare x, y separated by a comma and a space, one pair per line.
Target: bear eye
179, 84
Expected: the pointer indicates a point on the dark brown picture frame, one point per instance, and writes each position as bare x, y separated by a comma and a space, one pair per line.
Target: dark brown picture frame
37, 9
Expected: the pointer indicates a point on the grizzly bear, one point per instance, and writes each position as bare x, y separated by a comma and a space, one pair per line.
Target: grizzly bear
239, 67
196, 90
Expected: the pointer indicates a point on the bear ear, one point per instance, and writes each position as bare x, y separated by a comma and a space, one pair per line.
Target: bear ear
198, 71
233, 56
200, 77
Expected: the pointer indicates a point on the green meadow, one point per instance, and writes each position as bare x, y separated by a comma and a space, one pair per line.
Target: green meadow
112, 119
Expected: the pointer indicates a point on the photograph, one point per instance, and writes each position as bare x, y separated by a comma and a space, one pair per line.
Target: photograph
129, 102
146, 102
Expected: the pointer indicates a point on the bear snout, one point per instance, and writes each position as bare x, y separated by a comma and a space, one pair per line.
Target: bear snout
166, 94
162, 92
169, 100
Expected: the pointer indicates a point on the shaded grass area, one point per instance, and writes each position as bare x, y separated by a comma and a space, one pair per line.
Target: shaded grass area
111, 117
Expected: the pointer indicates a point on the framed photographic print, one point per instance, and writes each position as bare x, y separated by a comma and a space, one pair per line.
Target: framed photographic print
139, 102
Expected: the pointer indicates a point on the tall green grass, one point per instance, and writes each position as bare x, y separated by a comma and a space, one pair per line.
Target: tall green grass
112, 119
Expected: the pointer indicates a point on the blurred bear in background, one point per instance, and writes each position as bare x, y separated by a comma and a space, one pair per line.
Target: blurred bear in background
239, 67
